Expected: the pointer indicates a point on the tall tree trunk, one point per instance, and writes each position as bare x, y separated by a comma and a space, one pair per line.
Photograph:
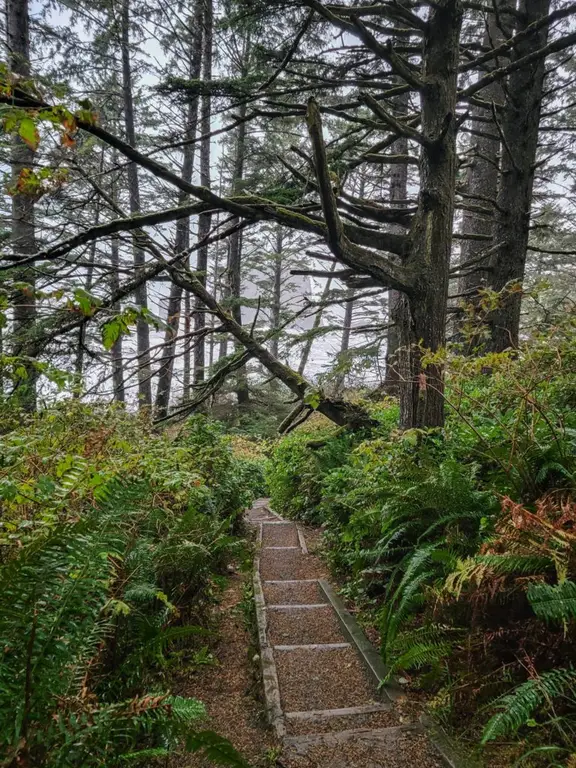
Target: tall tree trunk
22, 236
141, 294
116, 351
235, 258
116, 354
397, 355
186, 376
520, 125
345, 342
216, 267
204, 219
482, 174
277, 290
431, 231
182, 240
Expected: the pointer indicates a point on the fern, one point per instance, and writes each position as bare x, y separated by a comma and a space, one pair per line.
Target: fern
423, 646
553, 603
216, 749
396, 611
421, 655
517, 708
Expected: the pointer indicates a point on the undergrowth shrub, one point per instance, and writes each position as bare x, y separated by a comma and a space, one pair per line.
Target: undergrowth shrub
459, 543
111, 537
300, 462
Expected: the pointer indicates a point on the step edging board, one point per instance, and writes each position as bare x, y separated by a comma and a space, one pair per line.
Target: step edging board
340, 737
312, 647
327, 714
267, 664
368, 653
296, 606
444, 746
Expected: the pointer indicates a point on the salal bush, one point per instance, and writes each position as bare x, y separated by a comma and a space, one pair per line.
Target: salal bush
111, 538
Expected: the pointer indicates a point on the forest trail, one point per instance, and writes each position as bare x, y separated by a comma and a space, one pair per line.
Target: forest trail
322, 700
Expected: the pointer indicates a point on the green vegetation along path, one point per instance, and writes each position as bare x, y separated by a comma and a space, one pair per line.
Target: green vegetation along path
321, 695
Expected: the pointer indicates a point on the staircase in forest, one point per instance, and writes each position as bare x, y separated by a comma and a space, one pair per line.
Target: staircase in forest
320, 673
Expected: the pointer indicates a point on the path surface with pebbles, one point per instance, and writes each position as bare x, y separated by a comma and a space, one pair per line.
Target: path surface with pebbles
321, 693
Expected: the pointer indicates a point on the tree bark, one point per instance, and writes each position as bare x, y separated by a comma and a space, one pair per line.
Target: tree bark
187, 373
520, 127
141, 294
116, 351
22, 235
482, 175
398, 311
205, 219
235, 258
338, 411
431, 230
277, 291
182, 240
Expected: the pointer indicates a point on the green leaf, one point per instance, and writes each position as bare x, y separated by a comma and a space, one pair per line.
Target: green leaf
553, 602
29, 133
312, 398
10, 122
111, 332
86, 301
216, 748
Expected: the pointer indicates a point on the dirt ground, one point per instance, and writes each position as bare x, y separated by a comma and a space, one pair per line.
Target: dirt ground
230, 690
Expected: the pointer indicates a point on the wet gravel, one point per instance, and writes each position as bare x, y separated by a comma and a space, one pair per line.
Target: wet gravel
322, 679
300, 626
409, 750
289, 594
281, 564
279, 535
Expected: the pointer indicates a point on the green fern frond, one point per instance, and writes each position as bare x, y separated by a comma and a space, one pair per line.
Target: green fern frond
421, 655
553, 602
185, 710
517, 708
216, 749
523, 565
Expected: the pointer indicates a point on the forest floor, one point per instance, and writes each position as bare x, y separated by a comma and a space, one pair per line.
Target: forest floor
229, 687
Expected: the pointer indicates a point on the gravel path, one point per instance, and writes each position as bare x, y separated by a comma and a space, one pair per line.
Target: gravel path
305, 685
298, 594
279, 535
322, 679
282, 564
300, 626
406, 750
